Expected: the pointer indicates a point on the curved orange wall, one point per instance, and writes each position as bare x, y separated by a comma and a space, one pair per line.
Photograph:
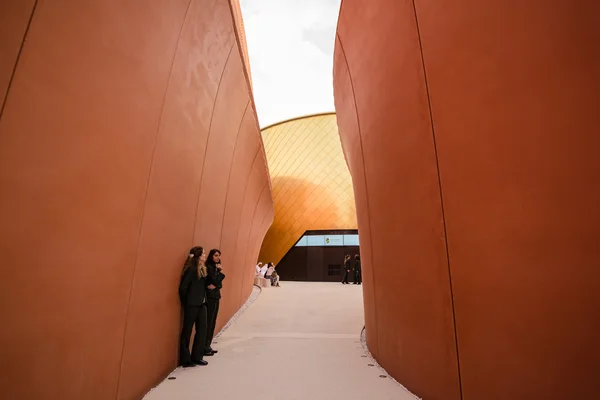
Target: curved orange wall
476, 122
127, 136
14, 19
236, 9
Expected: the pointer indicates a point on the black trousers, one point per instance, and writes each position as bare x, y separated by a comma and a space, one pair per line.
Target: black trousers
346, 273
357, 276
212, 310
192, 315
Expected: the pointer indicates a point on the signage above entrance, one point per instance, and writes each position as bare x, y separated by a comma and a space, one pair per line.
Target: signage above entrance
328, 240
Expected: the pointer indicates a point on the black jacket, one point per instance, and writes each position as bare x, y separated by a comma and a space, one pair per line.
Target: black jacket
214, 277
192, 289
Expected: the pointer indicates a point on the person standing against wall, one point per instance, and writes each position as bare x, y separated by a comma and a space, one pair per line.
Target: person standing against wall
192, 293
347, 268
357, 270
214, 282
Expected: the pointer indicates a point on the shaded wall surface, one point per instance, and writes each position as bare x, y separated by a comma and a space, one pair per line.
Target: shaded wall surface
312, 187
128, 134
470, 131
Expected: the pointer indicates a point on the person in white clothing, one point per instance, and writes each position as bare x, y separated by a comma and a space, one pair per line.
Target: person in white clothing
258, 267
263, 270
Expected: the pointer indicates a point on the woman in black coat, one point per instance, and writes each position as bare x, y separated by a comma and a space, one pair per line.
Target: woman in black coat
192, 292
214, 280
347, 269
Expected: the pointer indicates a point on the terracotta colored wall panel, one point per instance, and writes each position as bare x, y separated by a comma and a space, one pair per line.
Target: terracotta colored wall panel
513, 89
14, 19
407, 293
255, 187
348, 129
241, 36
520, 173
312, 187
102, 146
246, 148
232, 101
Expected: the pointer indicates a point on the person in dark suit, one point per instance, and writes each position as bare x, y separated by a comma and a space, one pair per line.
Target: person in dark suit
214, 280
357, 270
347, 269
192, 293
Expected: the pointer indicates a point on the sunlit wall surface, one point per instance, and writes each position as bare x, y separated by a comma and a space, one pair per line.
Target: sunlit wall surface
312, 188
241, 36
127, 135
471, 132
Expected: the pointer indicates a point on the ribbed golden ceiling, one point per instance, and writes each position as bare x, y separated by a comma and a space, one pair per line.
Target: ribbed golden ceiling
311, 184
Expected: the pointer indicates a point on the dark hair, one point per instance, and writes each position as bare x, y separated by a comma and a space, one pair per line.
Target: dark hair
357, 257
193, 260
347, 257
211, 253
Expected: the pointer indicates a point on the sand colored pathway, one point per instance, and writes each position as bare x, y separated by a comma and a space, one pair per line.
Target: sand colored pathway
300, 341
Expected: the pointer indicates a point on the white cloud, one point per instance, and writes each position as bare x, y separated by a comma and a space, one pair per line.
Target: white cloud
290, 44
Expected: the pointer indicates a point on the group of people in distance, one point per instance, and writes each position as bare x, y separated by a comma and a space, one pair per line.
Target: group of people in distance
354, 269
268, 271
200, 294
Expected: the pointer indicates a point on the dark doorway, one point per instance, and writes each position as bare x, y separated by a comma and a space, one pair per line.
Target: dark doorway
318, 263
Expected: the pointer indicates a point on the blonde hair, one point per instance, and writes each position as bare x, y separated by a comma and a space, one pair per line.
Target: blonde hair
194, 260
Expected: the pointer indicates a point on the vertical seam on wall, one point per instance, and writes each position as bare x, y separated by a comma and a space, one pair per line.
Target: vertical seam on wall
264, 233
261, 225
151, 169
244, 202
437, 163
250, 232
265, 162
12, 75
207, 142
366, 186
239, 45
249, 87
230, 169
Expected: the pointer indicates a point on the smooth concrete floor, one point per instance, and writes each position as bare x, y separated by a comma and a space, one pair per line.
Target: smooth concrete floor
299, 341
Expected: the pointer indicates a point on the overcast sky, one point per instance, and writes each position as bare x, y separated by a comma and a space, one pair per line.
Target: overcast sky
290, 43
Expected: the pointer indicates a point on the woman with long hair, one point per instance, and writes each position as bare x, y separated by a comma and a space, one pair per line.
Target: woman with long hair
192, 292
346, 269
214, 280
269, 273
